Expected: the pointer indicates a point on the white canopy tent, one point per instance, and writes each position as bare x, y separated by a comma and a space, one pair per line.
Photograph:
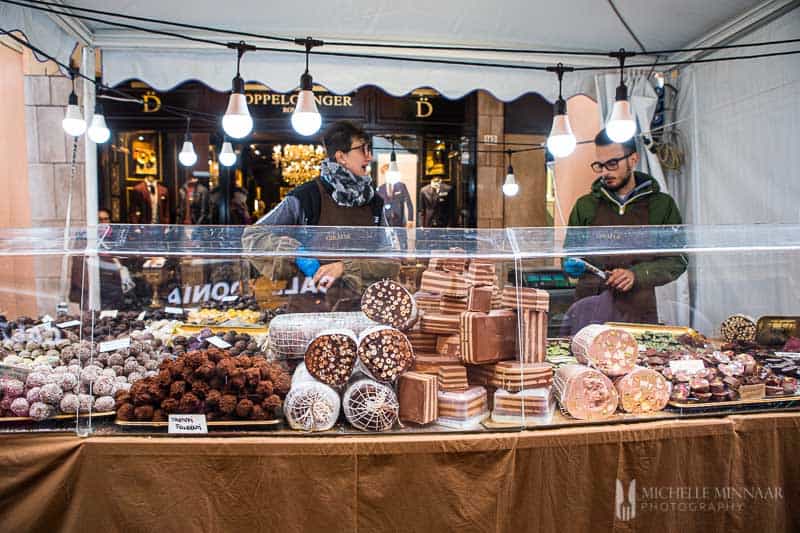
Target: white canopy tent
703, 188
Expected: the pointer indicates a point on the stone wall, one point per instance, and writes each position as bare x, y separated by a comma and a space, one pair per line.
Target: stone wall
49, 152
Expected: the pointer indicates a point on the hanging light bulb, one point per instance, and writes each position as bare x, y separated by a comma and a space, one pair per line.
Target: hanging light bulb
98, 130
306, 119
187, 155
561, 141
393, 174
621, 125
227, 157
510, 187
237, 121
73, 123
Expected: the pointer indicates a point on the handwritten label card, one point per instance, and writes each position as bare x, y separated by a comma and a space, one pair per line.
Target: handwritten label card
173, 310
188, 424
231, 298
109, 314
141, 315
70, 324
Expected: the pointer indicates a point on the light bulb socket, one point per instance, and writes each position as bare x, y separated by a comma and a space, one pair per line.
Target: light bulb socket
622, 93
237, 85
73, 99
510, 170
560, 107
393, 157
306, 82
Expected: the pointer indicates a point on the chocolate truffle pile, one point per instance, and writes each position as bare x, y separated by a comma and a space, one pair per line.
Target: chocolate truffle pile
215, 382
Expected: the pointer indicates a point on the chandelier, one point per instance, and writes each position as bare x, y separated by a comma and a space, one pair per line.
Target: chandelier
299, 163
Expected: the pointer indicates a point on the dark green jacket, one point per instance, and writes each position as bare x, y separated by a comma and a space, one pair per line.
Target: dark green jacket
663, 212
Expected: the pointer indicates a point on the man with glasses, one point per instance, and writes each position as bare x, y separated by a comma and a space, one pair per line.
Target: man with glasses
621, 196
343, 195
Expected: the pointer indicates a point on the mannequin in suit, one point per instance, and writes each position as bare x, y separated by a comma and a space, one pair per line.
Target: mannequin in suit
149, 203
396, 203
435, 205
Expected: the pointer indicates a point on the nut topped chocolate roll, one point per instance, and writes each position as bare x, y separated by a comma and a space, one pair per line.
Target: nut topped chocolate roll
388, 302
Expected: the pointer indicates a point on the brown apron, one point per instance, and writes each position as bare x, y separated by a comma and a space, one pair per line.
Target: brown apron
639, 303
340, 296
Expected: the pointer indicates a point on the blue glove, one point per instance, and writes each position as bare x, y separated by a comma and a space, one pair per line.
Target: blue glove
307, 265
574, 267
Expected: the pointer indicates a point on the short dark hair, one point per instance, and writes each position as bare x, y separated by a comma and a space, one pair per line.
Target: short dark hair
339, 136
602, 139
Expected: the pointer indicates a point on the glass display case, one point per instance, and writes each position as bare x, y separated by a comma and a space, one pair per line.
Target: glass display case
302, 330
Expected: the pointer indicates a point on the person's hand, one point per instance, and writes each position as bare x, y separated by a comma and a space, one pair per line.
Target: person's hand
574, 267
621, 279
327, 275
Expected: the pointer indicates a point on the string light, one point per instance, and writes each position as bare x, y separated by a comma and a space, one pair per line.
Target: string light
227, 157
306, 119
237, 121
561, 141
187, 156
621, 125
510, 187
98, 130
73, 122
393, 174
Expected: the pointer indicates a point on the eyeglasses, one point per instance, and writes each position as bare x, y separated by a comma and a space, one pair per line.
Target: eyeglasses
611, 164
366, 148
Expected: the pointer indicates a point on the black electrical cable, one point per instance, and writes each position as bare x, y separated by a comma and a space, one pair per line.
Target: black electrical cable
394, 45
693, 61
176, 111
164, 22
120, 24
410, 59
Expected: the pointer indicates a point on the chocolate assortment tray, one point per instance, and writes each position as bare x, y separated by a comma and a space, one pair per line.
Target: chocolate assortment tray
210, 424
690, 404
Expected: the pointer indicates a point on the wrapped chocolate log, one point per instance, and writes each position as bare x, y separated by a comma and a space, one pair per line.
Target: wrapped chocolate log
449, 346
385, 352
331, 357
612, 351
370, 406
389, 303
642, 391
311, 406
290, 334
417, 394
463, 410
488, 337
738, 328
585, 393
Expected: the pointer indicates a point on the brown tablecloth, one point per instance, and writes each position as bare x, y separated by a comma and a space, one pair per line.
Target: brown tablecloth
738, 473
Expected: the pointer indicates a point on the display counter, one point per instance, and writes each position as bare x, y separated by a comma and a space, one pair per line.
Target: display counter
247, 378
730, 473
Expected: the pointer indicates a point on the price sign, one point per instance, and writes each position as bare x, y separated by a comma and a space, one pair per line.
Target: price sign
188, 424
219, 343
110, 346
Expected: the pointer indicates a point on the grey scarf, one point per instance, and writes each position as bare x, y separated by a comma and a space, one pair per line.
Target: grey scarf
347, 189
